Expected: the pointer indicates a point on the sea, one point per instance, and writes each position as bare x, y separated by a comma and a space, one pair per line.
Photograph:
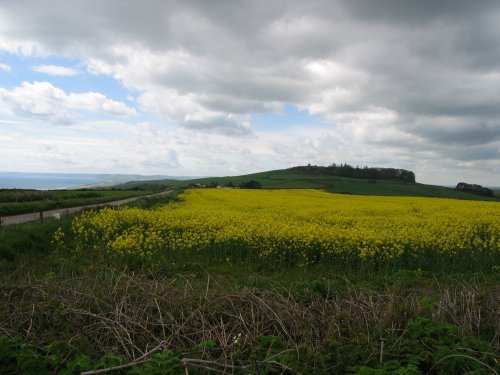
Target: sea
51, 181
48, 181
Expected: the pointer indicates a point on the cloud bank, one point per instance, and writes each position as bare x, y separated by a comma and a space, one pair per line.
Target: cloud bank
41, 100
413, 85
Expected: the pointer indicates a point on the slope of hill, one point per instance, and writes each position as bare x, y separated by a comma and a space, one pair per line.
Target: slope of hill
145, 185
286, 179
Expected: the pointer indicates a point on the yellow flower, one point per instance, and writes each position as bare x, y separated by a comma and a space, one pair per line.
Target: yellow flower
293, 227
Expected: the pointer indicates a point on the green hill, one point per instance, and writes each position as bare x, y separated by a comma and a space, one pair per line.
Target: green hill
286, 179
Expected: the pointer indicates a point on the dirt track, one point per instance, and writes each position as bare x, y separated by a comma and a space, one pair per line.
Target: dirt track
59, 212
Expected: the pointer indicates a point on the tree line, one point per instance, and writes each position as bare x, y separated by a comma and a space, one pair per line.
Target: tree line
474, 189
346, 170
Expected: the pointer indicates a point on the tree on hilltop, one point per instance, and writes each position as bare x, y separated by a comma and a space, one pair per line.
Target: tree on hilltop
474, 189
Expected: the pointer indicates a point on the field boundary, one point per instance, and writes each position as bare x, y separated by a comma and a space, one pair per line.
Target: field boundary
59, 212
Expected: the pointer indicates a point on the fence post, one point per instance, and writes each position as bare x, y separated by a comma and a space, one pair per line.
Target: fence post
41, 216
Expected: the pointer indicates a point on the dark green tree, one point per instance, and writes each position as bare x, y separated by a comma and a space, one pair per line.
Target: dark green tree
252, 184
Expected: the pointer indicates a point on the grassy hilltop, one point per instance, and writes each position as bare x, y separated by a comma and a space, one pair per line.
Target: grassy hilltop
286, 179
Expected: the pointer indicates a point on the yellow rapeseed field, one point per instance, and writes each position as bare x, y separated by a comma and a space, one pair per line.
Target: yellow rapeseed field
297, 227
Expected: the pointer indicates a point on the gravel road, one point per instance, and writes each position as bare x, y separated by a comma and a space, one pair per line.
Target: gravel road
59, 212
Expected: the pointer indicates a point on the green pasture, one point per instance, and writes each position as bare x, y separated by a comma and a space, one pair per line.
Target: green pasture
17, 201
283, 179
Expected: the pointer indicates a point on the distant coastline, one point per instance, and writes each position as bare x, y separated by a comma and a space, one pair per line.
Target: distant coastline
47, 181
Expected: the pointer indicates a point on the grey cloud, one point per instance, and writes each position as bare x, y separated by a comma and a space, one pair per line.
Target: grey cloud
475, 153
423, 60
468, 131
218, 124
232, 104
423, 11
460, 146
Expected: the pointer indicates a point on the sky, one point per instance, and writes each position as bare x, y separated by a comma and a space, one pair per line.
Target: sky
227, 87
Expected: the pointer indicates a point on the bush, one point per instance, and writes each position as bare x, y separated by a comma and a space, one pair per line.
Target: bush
252, 184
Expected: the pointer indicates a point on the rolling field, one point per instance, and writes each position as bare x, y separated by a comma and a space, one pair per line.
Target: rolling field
298, 228
284, 179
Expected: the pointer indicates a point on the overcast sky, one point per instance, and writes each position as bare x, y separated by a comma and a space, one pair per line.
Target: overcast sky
233, 87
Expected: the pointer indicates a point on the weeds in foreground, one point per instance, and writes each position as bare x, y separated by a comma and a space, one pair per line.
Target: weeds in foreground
117, 318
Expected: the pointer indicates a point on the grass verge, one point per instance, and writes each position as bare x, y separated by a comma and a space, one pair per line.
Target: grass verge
26, 201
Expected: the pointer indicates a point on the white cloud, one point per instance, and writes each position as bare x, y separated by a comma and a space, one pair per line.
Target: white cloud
393, 91
56, 70
5, 67
43, 101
